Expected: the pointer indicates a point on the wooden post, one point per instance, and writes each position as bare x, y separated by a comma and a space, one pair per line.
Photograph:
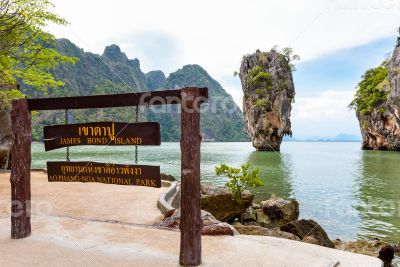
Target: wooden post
191, 223
20, 169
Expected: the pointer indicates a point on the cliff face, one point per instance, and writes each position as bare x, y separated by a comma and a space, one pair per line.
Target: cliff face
90, 76
268, 89
380, 129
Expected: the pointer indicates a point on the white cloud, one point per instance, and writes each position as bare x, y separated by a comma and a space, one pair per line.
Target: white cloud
215, 34
326, 114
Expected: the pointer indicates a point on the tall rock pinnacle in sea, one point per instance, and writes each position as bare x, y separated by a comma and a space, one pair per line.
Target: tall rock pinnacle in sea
377, 105
268, 92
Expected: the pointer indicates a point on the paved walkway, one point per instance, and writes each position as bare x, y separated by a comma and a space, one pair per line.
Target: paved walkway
75, 225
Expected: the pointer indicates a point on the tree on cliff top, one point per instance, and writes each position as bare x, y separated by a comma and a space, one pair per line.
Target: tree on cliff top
371, 90
27, 52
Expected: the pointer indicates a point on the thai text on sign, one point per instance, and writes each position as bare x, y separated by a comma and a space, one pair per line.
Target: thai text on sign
107, 173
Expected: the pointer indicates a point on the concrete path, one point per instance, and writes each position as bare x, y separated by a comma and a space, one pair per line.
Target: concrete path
105, 225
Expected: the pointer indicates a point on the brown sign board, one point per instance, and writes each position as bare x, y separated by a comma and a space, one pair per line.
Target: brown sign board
102, 133
107, 173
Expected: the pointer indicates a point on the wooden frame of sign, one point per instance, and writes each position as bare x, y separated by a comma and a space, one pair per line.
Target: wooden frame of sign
190, 99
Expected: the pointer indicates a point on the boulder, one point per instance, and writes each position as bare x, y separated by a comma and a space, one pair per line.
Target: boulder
167, 177
311, 229
218, 200
262, 218
386, 254
248, 215
211, 226
272, 213
258, 230
280, 211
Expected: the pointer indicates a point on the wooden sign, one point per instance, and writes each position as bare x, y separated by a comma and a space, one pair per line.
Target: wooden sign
86, 172
102, 133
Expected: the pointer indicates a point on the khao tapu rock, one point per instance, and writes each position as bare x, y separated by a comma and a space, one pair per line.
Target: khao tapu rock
211, 226
218, 200
268, 93
272, 213
309, 231
377, 105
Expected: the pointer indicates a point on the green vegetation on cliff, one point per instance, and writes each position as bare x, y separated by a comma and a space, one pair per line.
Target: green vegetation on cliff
260, 78
371, 90
221, 119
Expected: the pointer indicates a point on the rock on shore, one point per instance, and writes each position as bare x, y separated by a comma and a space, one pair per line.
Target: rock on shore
211, 226
309, 231
271, 213
268, 89
259, 230
218, 200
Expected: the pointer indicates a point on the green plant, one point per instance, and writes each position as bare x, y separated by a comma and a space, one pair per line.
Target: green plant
261, 102
6, 96
259, 77
371, 89
290, 57
239, 178
260, 91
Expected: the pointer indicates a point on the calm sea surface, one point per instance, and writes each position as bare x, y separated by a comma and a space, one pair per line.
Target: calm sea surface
352, 193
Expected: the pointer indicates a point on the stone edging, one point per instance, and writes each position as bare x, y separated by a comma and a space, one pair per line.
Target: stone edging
168, 199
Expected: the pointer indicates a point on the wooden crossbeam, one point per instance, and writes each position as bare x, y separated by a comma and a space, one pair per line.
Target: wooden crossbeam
116, 100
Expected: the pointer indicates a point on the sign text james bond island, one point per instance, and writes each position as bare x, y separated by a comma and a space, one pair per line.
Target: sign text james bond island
102, 133
113, 134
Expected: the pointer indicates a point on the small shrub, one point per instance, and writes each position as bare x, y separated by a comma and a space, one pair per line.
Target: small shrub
259, 77
239, 179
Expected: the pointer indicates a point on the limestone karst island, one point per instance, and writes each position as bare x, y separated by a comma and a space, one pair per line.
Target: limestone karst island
208, 133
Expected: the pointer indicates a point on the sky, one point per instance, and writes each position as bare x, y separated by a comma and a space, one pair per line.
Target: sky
337, 40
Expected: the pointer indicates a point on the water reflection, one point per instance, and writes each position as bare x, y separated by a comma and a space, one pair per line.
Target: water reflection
275, 171
379, 195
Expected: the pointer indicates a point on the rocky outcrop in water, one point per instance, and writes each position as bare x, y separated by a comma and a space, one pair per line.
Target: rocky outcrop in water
380, 128
268, 89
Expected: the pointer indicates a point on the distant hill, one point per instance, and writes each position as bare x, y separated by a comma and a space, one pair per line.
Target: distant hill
221, 121
338, 138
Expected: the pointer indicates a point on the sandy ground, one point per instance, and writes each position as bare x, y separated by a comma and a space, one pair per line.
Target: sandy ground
80, 230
